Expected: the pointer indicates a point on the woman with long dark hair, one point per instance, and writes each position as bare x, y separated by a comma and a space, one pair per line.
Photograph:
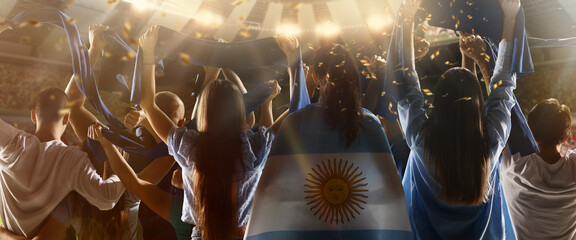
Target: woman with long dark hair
452, 180
221, 160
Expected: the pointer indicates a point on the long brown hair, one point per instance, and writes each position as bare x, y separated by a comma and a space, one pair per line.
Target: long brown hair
455, 139
218, 165
340, 98
96, 224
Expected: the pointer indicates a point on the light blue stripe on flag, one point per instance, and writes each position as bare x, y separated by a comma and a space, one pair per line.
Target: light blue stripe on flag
333, 235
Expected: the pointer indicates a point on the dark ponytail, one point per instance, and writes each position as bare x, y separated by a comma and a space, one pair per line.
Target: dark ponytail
340, 96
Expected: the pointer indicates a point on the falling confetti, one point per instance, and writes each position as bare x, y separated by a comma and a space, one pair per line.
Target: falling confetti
107, 54
110, 2
130, 55
486, 57
32, 22
396, 83
310, 46
382, 94
445, 95
184, 59
238, 3
434, 55
448, 63
25, 39
364, 62
390, 109
457, 21
469, 3
320, 64
497, 84
341, 64
427, 92
463, 99
469, 16
245, 33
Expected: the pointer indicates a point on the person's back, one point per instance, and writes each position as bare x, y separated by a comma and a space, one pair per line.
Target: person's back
38, 171
330, 174
540, 187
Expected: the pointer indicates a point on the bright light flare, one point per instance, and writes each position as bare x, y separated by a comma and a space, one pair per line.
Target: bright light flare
288, 29
208, 18
141, 5
377, 23
327, 29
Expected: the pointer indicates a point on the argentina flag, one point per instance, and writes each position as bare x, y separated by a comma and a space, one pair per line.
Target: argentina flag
314, 188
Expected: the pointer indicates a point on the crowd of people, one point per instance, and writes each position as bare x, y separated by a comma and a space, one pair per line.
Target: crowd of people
446, 174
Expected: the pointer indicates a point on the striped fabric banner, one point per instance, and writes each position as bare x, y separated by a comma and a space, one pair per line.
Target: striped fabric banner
314, 188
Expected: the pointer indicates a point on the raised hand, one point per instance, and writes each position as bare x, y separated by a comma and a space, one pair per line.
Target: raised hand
148, 42
133, 118
510, 9
276, 89
95, 33
421, 46
95, 131
288, 44
376, 65
473, 46
409, 9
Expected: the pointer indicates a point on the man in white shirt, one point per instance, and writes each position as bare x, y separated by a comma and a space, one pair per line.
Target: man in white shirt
541, 188
38, 170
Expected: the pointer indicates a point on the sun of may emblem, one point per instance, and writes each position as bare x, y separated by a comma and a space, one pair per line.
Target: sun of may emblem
336, 191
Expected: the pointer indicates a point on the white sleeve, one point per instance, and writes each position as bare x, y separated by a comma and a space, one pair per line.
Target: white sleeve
7, 134
103, 194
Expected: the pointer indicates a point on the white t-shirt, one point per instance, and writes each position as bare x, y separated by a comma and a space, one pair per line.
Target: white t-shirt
36, 176
541, 196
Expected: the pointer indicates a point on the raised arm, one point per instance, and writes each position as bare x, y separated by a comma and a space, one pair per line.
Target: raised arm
266, 116
289, 45
501, 99
410, 110
473, 48
158, 119
159, 201
80, 118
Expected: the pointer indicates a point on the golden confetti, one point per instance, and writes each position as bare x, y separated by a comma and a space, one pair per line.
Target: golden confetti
110, 2
184, 59
358, 55
463, 99
484, 19
424, 29
382, 94
396, 83
71, 20
427, 92
469, 3
343, 109
497, 84
238, 3
320, 64
32, 22
107, 54
25, 39
403, 69
341, 64
445, 95
434, 55
448, 63
364, 62
457, 21
130, 55
469, 16
486, 57
428, 17
134, 41
310, 46
245, 33
390, 109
